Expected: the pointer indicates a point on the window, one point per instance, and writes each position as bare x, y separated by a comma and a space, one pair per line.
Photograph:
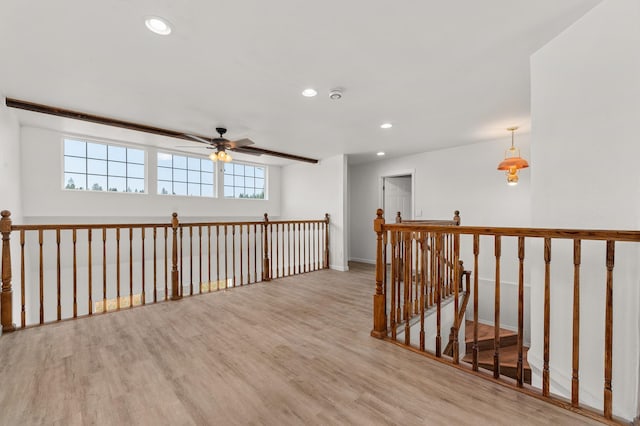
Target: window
95, 166
180, 175
243, 181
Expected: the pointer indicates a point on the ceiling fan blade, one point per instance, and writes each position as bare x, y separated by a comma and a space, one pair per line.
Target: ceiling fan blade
244, 150
279, 154
199, 139
239, 143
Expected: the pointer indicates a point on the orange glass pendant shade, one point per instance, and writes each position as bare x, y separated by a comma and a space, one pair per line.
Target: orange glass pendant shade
512, 162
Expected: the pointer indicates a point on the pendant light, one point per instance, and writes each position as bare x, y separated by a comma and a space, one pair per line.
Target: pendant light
512, 161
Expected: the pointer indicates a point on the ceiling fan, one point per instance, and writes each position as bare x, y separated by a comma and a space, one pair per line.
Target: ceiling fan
222, 145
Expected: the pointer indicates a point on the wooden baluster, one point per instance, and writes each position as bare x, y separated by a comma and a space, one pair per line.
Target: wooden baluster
6, 295
394, 275
422, 289
496, 310
117, 268
305, 247
379, 318
90, 272
575, 378
476, 252
175, 284
289, 248
209, 256
23, 314
326, 241
104, 269
313, 246
143, 295
266, 276
217, 257
277, 270
249, 253
283, 250
432, 275
520, 363
233, 253
608, 333
457, 274
299, 250
398, 278
58, 274
75, 276
416, 297
407, 287
130, 267
155, 265
190, 260
226, 273
439, 288
547, 315
384, 262
181, 284
41, 265
199, 259
271, 270
166, 265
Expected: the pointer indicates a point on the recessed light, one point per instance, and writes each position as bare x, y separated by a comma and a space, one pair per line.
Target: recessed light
380, 154
386, 126
158, 25
309, 93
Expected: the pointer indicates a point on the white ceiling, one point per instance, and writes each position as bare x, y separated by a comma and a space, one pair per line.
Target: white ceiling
445, 73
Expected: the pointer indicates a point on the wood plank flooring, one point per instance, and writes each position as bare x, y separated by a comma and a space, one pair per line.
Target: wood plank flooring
292, 351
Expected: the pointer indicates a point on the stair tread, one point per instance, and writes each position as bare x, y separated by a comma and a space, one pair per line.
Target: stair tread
508, 357
485, 332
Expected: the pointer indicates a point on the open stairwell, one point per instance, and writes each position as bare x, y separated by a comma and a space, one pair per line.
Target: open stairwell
508, 350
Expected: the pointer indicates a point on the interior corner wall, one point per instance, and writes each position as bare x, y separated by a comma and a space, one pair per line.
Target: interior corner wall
585, 115
10, 191
44, 200
311, 190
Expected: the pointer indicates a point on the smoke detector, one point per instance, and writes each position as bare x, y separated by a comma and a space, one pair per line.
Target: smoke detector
335, 94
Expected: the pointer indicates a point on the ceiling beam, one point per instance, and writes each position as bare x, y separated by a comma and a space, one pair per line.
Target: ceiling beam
77, 115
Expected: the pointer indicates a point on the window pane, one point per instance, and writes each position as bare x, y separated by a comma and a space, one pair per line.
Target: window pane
228, 191
164, 173
228, 168
179, 175
97, 167
164, 160
135, 156
193, 163
164, 187
179, 188
238, 169
259, 172
249, 171
249, 192
135, 171
96, 150
259, 194
117, 184
193, 177
77, 148
74, 164
117, 169
237, 192
207, 178
207, 166
117, 153
179, 162
207, 190
259, 183
249, 182
97, 183
135, 185
228, 179
75, 181
194, 189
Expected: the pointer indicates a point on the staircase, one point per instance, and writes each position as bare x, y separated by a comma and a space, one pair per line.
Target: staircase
508, 350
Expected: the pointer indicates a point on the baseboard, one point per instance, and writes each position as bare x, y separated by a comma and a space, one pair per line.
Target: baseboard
369, 261
339, 268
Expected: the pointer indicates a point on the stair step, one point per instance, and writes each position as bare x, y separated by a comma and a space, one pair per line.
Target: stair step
486, 335
508, 361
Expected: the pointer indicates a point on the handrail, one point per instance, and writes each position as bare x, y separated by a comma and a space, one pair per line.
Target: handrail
122, 265
413, 232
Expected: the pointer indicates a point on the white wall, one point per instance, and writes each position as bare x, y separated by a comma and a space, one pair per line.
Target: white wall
10, 163
311, 190
585, 115
44, 200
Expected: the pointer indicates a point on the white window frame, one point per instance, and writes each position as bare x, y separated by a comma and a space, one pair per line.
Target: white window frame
266, 181
213, 172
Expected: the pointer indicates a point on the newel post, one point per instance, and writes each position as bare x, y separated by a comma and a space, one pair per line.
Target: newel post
379, 317
326, 241
6, 297
456, 217
175, 284
266, 270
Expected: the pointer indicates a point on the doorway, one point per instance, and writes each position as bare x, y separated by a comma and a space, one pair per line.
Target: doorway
397, 197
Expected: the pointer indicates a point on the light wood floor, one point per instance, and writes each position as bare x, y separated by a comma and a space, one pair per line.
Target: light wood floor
293, 351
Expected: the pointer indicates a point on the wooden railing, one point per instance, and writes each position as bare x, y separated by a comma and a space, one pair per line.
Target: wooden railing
419, 237
68, 271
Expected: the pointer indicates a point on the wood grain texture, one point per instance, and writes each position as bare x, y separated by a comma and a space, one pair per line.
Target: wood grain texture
292, 351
